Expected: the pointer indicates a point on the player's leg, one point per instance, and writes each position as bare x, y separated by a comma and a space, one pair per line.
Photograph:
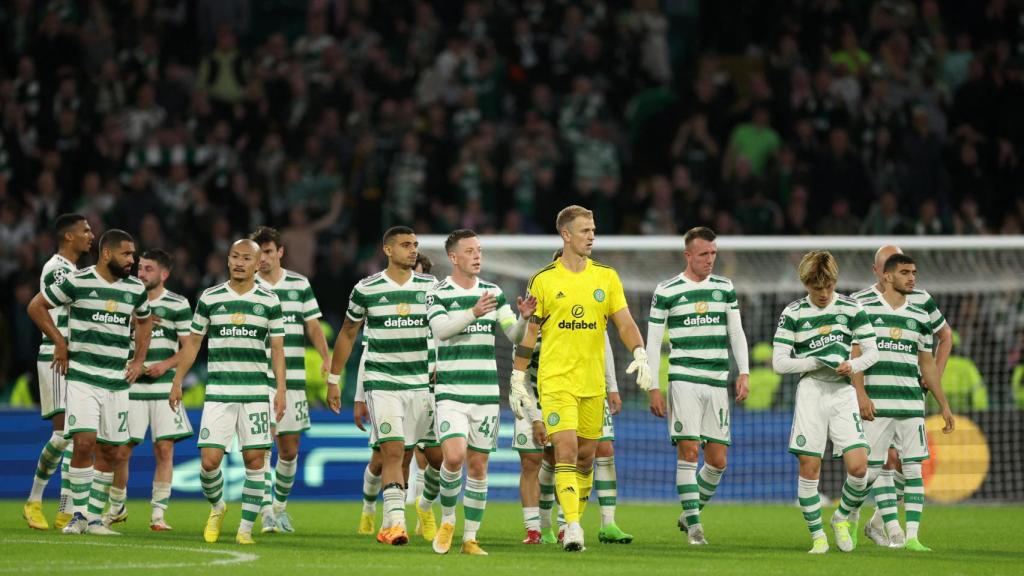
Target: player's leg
878, 433
546, 480
453, 423
163, 454
117, 511
887, 479
847, 433
529, 493
561, 416
371, 489
684, 421
913, 444
591, 422
66, 506
606, 483
111, 434
716, 435
421, 466
387, 411
253, 429
428, 478
216, 434
284, 477
482, 440
50, 456
807, 441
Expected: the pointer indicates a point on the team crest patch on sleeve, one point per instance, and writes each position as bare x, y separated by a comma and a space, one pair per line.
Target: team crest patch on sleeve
553, 419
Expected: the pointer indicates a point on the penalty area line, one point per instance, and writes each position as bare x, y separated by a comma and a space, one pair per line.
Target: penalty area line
232, 557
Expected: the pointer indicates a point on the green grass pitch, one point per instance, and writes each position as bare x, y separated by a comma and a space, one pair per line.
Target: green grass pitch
745, 539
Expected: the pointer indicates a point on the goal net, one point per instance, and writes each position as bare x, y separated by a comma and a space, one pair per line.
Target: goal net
976, 281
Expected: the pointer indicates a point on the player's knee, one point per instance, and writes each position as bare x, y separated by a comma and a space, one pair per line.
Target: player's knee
529, 464
857, 470
605, 449
810, 468
454, 461
210, 462
163, 451
717, 460
477, 468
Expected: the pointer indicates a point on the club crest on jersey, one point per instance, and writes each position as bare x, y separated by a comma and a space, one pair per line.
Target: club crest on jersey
911, 324
258, 309
841, 319
127, 298
421, 297
824, 329
238, 318
577, 311
404, 309
895, 333
717, 295
701, 307
111, 305
160, 311
293, 295
599, 295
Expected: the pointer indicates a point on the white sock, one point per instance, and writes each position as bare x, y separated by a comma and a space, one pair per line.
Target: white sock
161, 498
531, 518
371, 489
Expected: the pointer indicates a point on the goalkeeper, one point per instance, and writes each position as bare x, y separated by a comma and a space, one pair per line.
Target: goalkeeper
575, 297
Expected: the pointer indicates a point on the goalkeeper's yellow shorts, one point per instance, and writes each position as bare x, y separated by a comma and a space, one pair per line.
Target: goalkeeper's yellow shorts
566, 411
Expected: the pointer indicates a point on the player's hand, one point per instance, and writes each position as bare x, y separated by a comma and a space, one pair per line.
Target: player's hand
657, 403
60, 357
527, 306
742, 387
133, 370
844, 369
540, 434
867, 407
174, 399
639, 365
517, 393
360, 414
157, 370
486, 304
614, 403
279, 403
947, 417
334, 398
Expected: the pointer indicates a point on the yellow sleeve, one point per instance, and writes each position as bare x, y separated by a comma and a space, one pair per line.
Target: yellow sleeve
536, 289
617, 296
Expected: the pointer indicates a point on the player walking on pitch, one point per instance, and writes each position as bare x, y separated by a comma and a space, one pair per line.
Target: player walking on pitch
814, 339
702, 316
101, 301
242, 319
74, 238
301, 315
575, 297
463, 311
148, 408
892, 399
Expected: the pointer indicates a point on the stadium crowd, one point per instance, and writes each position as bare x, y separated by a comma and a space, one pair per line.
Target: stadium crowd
190, 122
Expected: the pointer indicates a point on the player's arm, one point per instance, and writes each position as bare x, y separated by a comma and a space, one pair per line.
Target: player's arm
738, 344
39, 311
277, 363
445, 325
655, 333
864, 403
930, 375
864, 336
186, 358
342, 350
611, 382
518, 395
943, 347
143, 334
315, 333
181, 327
515, 328
783, 361
629, 334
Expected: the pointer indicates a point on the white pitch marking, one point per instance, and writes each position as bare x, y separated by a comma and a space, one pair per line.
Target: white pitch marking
234, 557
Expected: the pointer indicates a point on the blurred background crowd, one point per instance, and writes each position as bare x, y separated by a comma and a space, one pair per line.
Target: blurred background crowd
190, 122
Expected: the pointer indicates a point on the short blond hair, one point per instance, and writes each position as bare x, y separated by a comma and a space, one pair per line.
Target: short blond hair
570, 213
818, 268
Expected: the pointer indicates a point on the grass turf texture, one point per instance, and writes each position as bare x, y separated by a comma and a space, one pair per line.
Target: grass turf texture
745, 539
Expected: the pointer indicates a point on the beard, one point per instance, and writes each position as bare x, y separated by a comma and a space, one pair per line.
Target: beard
151, 285
117, 271
904, 291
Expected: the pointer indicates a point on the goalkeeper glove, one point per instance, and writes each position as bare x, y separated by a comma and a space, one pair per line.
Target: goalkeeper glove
517, 394
639, 365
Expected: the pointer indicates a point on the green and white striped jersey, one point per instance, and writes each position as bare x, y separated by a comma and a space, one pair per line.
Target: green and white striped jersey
919, 298
396, 330
171, 319
892, 383
298, 305
825, 334
240, 328
467, 370
695, 314
99, 324
55, 269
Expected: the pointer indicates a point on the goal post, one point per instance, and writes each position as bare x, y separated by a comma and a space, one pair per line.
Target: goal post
977, 281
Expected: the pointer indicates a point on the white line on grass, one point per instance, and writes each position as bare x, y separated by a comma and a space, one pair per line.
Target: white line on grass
233, 556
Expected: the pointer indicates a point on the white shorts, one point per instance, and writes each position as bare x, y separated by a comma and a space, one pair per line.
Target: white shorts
95, 409
906, 434
223, 420
296, 413
698, 412
825, 410
608, 427
53, 390
405, 416
167, 424
522, 436
477, 423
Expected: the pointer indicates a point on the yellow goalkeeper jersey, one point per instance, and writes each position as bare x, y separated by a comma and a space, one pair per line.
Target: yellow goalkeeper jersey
574, 308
